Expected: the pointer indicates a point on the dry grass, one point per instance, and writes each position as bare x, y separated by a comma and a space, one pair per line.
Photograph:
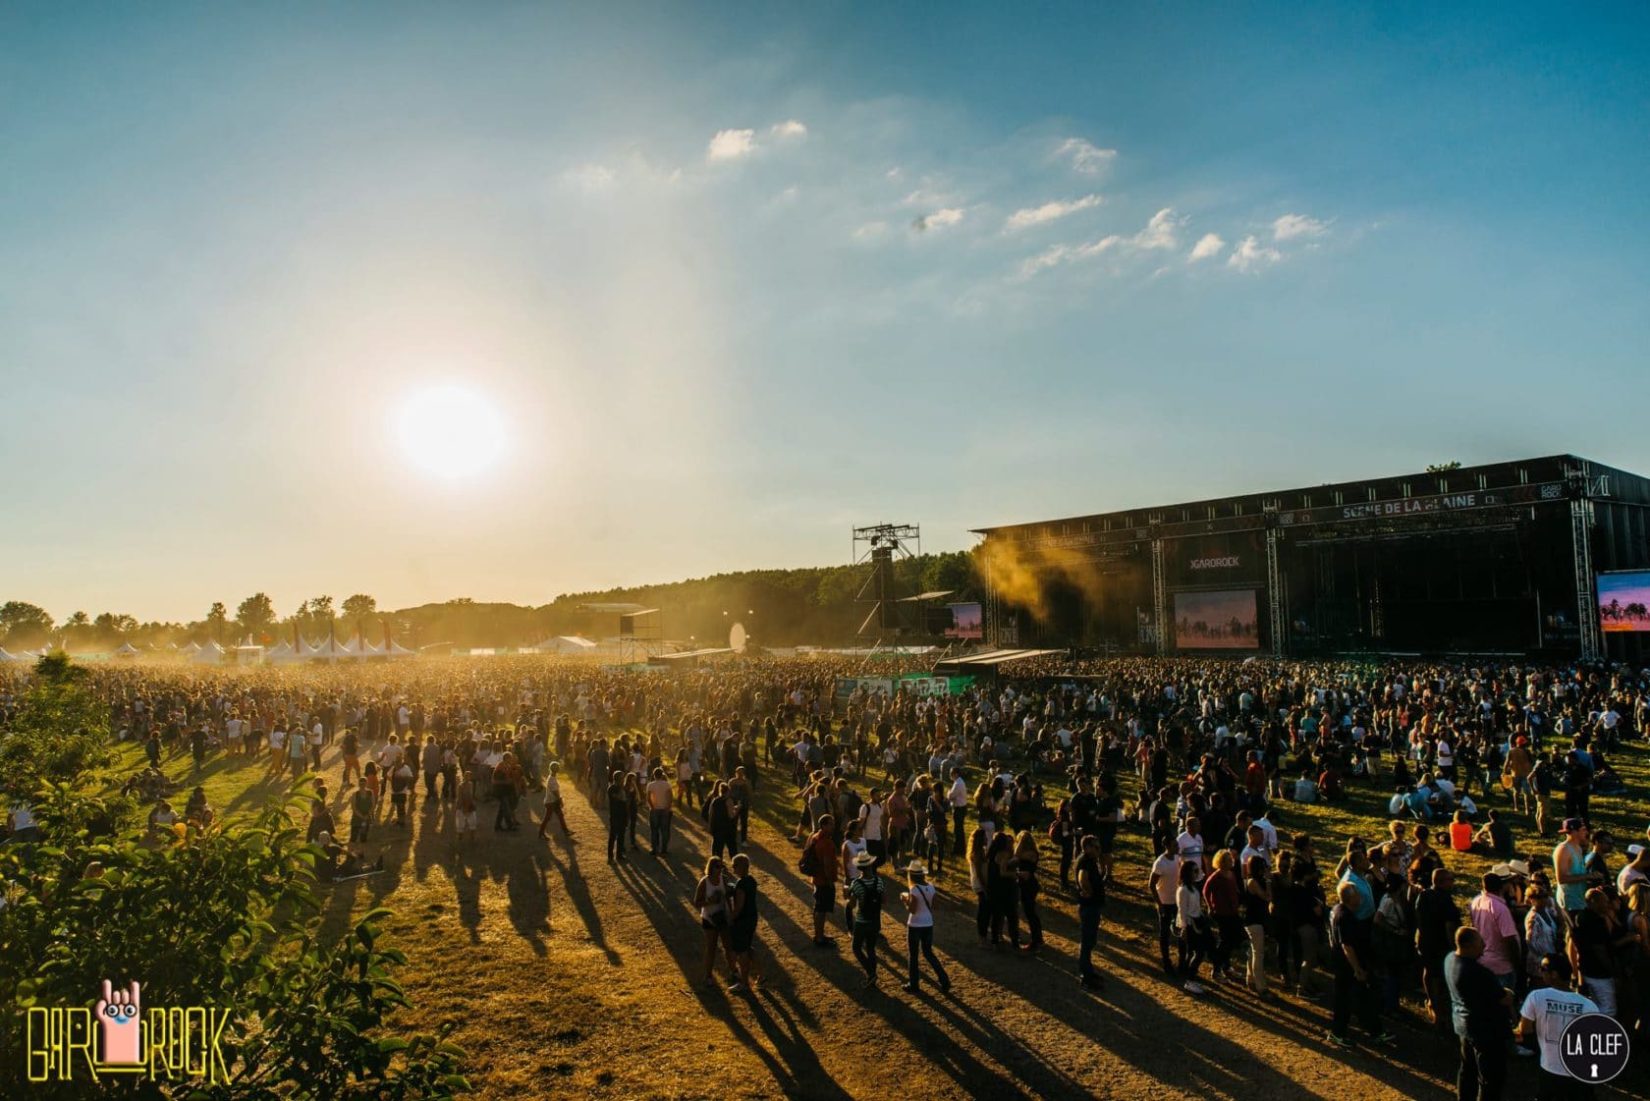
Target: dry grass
569, 977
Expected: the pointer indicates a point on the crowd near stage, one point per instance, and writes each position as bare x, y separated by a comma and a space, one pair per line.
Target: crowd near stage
1515, 558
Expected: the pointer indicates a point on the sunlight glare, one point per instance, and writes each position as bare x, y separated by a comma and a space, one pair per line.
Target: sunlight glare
450, 431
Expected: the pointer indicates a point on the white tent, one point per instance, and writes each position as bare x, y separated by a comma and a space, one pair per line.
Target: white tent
355, 647
4, 656
127, 650
331, 650
566, 644
396, 650
210, 654
190, 648
281, 651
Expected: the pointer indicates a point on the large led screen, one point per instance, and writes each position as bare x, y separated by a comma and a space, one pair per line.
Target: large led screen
1223, 620
967, 621
1624, 600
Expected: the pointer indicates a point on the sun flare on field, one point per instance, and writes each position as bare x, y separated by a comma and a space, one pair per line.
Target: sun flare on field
450, 431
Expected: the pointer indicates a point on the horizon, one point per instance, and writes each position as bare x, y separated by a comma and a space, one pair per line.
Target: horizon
514, 302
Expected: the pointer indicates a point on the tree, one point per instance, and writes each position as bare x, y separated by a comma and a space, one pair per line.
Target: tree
78, 619
1444, 468
113, 625
228, 917
24, 624
321, 608
358, 608
256, 614
216, 617
58, 734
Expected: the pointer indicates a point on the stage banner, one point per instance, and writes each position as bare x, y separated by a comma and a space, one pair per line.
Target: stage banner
847, 686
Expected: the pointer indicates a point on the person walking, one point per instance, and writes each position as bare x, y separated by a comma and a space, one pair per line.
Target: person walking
919, 927
618, 815
865, 899
552, 803
710, 899
658, 812
742, 922
819, 864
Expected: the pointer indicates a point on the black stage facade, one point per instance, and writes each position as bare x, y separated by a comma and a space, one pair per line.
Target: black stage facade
1500, 558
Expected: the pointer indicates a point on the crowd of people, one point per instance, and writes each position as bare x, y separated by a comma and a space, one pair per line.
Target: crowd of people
1025, 788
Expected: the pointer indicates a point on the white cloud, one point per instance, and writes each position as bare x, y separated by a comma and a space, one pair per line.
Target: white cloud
1251, 256
1291, 226
790, 128
1085, 156
1159, 234
1048, 212
870, 231
1160, 231
939, 219
591, 177
730, 145
1207, 246
1065, 254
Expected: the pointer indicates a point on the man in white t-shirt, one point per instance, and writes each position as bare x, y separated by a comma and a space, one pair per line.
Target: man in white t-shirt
658, 812
1164, 883
1547, 1012
1190, 844
959, 799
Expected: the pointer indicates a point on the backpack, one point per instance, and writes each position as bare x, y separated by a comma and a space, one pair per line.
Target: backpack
809, 864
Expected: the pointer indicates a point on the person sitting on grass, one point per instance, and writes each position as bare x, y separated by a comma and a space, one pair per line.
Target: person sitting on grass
1495, 835
1306, 789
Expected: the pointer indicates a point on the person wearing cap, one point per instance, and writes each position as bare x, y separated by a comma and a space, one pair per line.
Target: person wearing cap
865, 895
1636, 870
919, 927
1479, 1006
1492, 917
1546, 1013
1570, 867
1598, 861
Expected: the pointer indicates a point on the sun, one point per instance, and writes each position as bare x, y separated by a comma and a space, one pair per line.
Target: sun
450, 431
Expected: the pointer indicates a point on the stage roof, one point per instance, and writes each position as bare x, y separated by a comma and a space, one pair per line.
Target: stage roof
993, 658
935, 595
1623, 486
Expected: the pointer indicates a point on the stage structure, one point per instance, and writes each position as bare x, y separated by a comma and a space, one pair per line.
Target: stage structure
636, 630
1503, 558
880, 546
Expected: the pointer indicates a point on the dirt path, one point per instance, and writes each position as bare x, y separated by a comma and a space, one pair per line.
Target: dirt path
567, 975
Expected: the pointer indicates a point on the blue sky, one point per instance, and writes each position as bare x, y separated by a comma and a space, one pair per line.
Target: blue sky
740, 276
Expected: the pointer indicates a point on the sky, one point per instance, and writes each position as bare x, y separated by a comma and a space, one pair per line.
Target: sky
736, 277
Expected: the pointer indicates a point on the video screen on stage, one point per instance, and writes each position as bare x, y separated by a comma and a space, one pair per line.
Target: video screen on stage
1223, 620
967, 621
1624, 600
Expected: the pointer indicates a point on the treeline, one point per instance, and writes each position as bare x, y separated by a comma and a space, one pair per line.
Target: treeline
816, 605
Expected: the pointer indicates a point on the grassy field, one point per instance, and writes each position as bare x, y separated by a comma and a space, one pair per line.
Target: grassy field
566, 975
